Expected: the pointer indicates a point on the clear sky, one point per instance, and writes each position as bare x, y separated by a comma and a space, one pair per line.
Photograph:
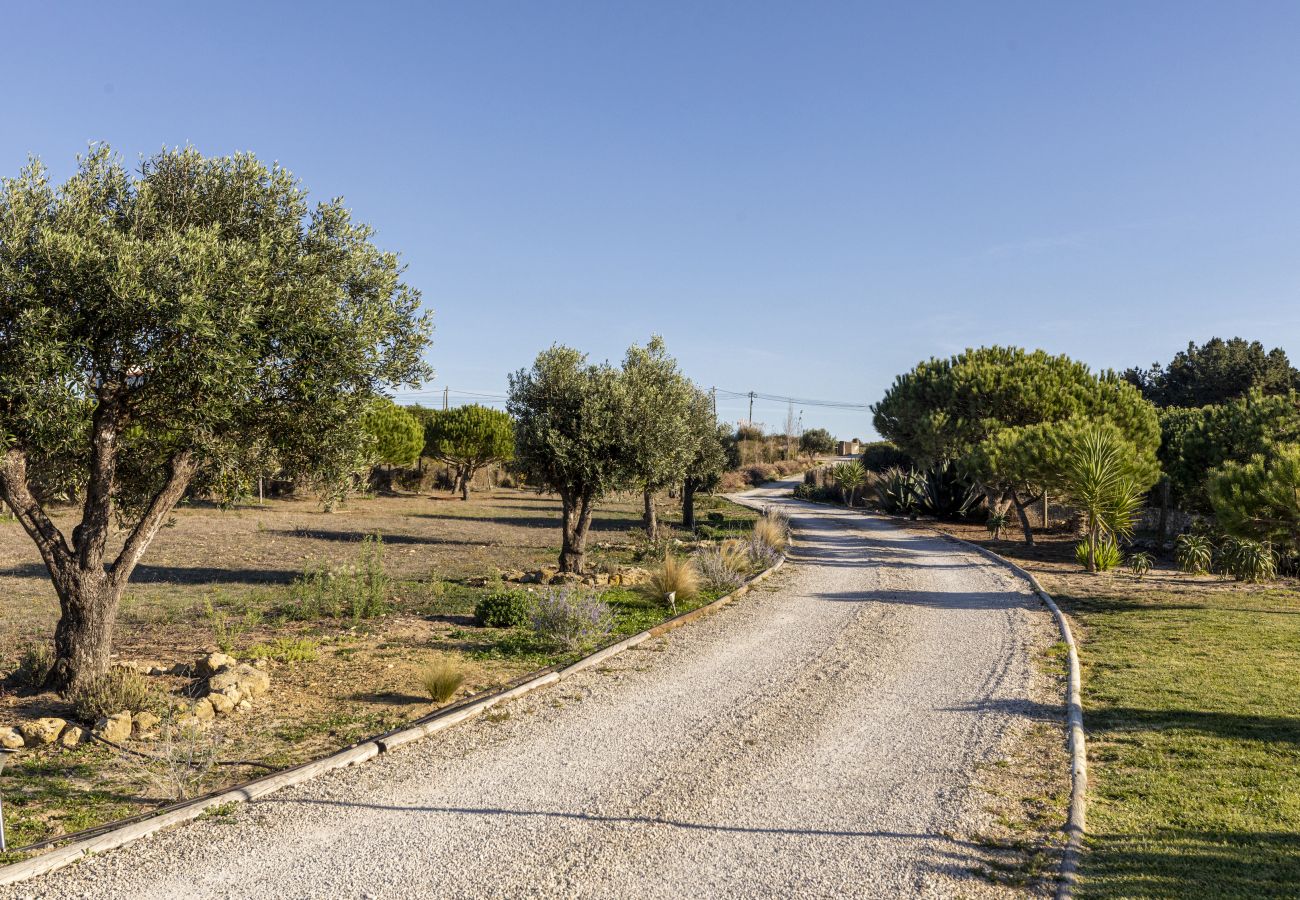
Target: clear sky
803, 198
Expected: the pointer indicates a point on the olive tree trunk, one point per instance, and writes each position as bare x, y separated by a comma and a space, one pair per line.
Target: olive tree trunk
688, 504
576, 523
89, 589
650, 517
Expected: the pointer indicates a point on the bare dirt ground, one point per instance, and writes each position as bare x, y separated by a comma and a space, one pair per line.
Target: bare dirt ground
831, 735
222, 578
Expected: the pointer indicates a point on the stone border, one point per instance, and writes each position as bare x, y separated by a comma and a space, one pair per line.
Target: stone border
363, 752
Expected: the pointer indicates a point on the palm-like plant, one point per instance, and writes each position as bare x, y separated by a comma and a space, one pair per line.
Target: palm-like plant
850, 477
1100, 479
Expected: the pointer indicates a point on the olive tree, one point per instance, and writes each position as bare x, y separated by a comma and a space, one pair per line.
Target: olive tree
183, 326
657, 422
570, 437
467, 438
817, 442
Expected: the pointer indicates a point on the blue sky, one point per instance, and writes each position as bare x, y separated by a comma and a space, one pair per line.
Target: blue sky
803, 198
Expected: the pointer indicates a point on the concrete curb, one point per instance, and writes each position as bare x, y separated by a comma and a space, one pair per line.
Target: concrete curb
438, 721
1077, 822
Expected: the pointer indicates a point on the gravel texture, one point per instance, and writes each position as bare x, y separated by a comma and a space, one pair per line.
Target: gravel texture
819, 738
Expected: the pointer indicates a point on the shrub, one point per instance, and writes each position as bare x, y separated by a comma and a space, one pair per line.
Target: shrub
117, 690
1194, 553
761, 555
772, 529
1247, 560
34, 666
1106, 557
722, 570
502, 609
675, 575
881, 455
1140, 564
286, 650
357, 591
815, 493
441, 679
571, 618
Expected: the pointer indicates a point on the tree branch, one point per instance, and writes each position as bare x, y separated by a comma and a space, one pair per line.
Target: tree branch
18, 494
181, 469
90, 537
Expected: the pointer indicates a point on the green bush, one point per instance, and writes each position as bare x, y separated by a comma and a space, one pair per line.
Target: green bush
996, 522
1194, 553
503, 609
571, 618
34, 666
117, 690
1247, 560
882, 455
285, 650
1107, 557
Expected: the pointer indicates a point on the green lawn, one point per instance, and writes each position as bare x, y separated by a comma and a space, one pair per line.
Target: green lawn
1192, 705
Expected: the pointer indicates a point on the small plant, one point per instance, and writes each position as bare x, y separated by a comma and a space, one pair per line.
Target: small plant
571, 618
1140, 564
761, 555
996, 522
226, 630
34, 666
722, 568
1106, 557
117, 690
441, 679
772, 529
182, 759
285, 650
502, 609
674, 576
356, 591
1247, 560
1194, 553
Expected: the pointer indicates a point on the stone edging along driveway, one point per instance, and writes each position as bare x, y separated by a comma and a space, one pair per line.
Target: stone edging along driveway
358, 753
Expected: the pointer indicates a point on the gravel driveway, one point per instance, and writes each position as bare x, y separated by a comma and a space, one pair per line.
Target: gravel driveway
819, 738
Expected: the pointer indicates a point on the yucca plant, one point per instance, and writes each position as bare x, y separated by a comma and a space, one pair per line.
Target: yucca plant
1100, 479
1140, 564
1193, 553
850, 477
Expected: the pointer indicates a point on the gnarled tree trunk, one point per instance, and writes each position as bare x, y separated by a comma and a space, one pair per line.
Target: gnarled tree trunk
688, 504
650, 517
577, 521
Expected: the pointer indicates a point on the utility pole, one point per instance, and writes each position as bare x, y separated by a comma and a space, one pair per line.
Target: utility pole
445, 394
751, 408
713, 398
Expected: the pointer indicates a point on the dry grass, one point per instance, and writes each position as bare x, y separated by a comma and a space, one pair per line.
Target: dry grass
773, 531
674, 575
441, 679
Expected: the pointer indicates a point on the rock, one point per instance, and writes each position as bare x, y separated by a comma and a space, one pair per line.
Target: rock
115, 728
531, 578
565, 578
515, 575
11, 739
213, 663
144, 723
631, 575
183, 669
155, 671
41, 731
203, 710
73, 737
221, 704
600, 578
184, 726
249, 681
244, 706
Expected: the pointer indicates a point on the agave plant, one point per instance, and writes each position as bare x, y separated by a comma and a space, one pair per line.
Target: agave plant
896, 490
996, 522
1194, 553
1247, 560
942, 492
1140, 564
1099, 557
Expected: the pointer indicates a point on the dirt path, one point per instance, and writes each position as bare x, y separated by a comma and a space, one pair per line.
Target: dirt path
817, 739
